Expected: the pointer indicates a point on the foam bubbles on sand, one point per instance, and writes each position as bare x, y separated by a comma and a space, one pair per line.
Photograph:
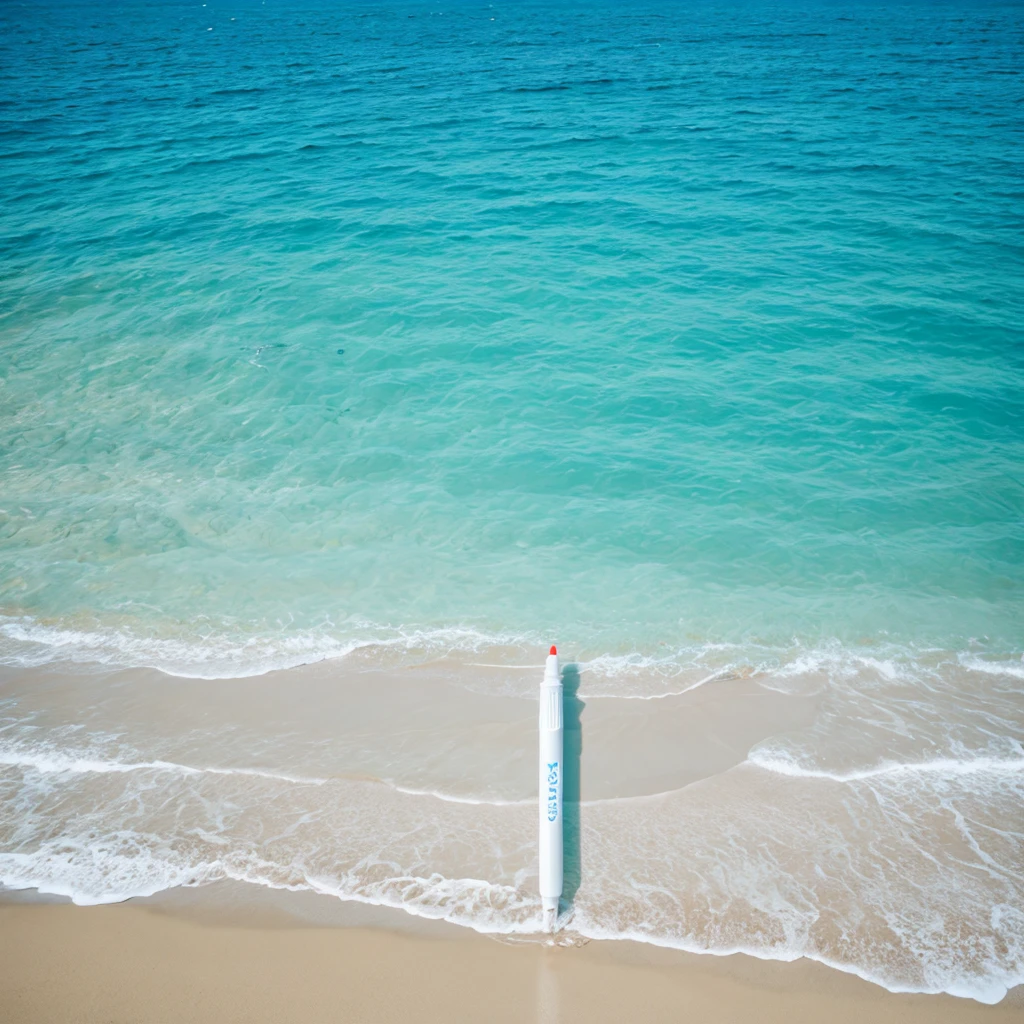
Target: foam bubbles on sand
907, 875
220, 651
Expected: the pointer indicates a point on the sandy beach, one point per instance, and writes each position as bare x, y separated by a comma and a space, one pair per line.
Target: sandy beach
141, 964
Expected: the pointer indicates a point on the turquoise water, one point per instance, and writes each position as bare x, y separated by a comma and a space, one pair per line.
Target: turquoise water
687, 336
639, 326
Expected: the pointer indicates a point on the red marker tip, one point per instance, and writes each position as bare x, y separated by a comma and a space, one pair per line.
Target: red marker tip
554, 649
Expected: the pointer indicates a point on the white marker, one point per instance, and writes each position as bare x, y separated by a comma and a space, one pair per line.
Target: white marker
551, 790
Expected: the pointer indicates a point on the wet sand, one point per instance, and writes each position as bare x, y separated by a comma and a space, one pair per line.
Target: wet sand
414, 786
146, 963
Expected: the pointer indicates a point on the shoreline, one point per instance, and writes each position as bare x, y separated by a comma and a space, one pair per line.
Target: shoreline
219, 957
242, 905
301, 780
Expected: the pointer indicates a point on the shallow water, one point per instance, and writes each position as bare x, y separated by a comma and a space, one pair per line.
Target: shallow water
686, 336
737, 816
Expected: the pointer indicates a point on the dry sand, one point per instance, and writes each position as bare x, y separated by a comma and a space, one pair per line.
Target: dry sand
132, 964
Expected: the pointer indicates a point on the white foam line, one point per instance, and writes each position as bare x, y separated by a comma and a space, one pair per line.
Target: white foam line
82, 766
450, 799
51, 765
986, 990
299, 780
654, 696
59, 765
943, 766
991, 993
993, 668
529, 927
189, 660
487, 664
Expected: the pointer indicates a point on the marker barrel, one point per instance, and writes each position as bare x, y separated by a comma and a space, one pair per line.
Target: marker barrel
551, 743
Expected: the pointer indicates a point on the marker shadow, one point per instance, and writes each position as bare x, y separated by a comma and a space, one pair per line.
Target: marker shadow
572, 752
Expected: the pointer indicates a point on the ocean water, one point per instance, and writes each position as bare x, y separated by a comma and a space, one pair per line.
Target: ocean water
405, 341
